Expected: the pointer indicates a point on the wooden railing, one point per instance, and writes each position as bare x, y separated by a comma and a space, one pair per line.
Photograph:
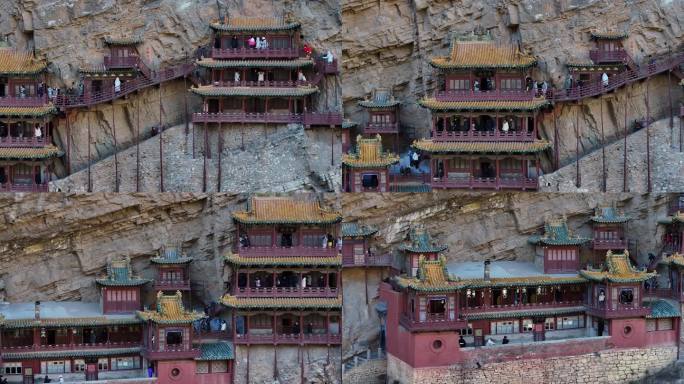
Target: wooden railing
620, 79
171, 284
368, 261
520, 306
495, 135
600, 56
246, 117
121, 62
322, 118
252, 53
69, 347
25, 141
665, 293
609, 244
265, 83
322, 66
303, 338
487, 183
171, 353
254, 251
8, 187
287, 292
26, 101
495, 95
371, 128
619, 311
432, 323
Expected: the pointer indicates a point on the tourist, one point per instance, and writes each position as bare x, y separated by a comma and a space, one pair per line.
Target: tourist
260, 76
38, 133
258, 43
415, 160
535, 87
303, 282
505, 340
339, 244
236, 77
331, 240
251, 42
602, 297
22, 91
257, 282
61, 379
234, 42
476, 86
490, 342
528, 83
328, 57
300, 76
325, 241
47, 379
117, 85
505, 126
568, 82
264, 43
544, 88
308, 51
309, 327
150, 371
604, 79
40, 90
80, 88
461, 342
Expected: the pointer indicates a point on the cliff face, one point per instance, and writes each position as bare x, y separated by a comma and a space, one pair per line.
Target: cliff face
389, 44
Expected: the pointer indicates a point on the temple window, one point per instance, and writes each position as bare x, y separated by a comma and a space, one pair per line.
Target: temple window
312, 239
12, 368
626, 296
55, 337
79, 365
124, 363
103, 364
527, 325
459, 84
665, 324
172, 275
503, 327
570, 322
381, 118
219, 366
549, 324
55, 366
468, 331
370, 181
174, 337
437, 308
510, 84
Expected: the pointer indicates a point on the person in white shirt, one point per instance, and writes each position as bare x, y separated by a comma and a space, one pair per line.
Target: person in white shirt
237, 77
38, 132
604, 79
264, 43
260, 76
490, 342
505, 127
117, 85
300, 76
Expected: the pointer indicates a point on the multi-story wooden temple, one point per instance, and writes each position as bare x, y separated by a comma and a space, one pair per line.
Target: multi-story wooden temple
609, 57
264, 83
26, 124
441, 313
484, 130
285, 286
383, 112
173, 270
112, 340
674, 226
609, 227
367, 168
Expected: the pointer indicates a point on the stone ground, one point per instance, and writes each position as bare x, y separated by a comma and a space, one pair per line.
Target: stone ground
667, 165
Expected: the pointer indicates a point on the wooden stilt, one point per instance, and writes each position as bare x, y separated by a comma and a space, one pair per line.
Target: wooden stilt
204, 167
137, 145
669, 97
556, 157
220, 149
161, 142
275, 362
185, 102
648, 140
68, 149
247, 378
301, 365
116, 151
624, 161
578, 180
90, 177
603, 150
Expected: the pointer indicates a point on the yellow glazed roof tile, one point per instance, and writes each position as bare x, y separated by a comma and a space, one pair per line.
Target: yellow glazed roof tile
285, 210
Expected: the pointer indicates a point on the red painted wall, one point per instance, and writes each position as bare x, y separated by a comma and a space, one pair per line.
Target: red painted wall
186, 376
661, 337
636, 336
213, 378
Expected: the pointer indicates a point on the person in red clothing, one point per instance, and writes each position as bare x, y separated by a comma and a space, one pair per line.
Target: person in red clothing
308, 50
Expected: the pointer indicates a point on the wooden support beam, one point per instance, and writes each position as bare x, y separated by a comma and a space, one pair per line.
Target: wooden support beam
648, 139
137, 145
204, 165
185, 102
68, 144
161, 142
556, 156
578, 179
624, 161
90, 176
603, 150
116, 151
220, 149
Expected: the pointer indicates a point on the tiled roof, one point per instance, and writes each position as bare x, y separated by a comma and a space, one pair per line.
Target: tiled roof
523, 281
15, 63
348, 124
524, 313
285, 210
119, 273
676, 218
609, 215
170, 310
216, 351
423, 286
171, 255
619, 270
253, 24
296, 63
428, 145
662, 308
68, 322
281, 302
71, 353
495, 105
380, 98
433, 272
590, 66
30, 153
420, 241
123, 40
369, 154
432, 277
357, 230
299, 91
102, 71
28, 111
613, 35
674, 259
556, 232
284, 260
483, 54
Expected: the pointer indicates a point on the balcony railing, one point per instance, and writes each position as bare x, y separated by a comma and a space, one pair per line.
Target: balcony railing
287, 292
267, 83
368, 261
372, 128
9, 187
27, 101
432, 323
619, 311
495, 95
496, 135
327, 68
246, 117
252, 53
487, 183
609, 244
25, 141
254, 251
666, 293
213, 335
600, 56
69, 347
326, 338
322, 118
520, 306
172, 284
121, 62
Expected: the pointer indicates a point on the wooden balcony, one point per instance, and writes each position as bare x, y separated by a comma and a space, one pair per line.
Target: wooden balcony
326, 68
68, 347
322, 118
373, 128
487, 183
520, 306
619, 311
172, 285
252, 53
171, 354
495, 95
121, 62
213, 335
28, 101
368, 261
432, 323
246, 117
600, 56
254, 251
287, 292
302, 339
9, 187
609, 244
664, 293
496, 135
25, 141
262, 84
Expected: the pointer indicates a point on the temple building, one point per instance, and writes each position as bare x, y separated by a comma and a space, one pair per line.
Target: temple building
271, 84
609, 227
674, 227
558, 249
27, 153
285, 285
173, 270
383, 112
484, 130
442, 313
367, 168
608, 57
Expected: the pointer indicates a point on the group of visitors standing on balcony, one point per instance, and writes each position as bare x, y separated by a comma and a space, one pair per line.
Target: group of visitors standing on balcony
252, 42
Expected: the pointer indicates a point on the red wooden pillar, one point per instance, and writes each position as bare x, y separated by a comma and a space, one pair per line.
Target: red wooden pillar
578, 180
